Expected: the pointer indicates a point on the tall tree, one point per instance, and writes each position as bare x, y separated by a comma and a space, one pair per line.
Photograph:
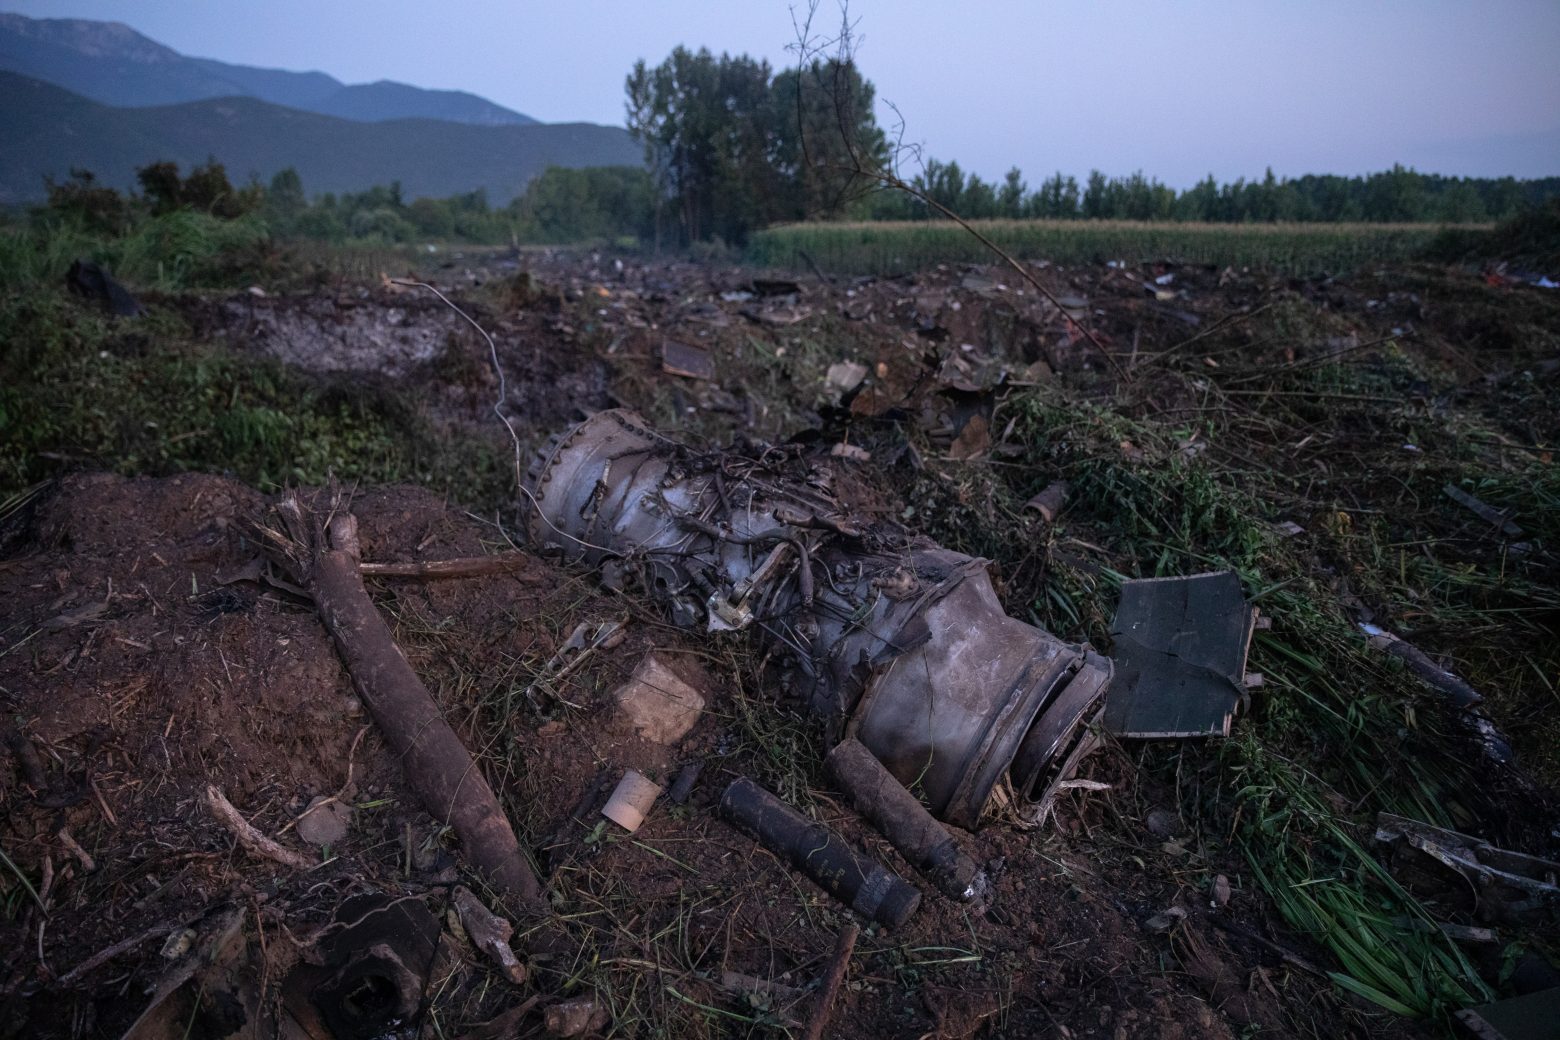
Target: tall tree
733, 146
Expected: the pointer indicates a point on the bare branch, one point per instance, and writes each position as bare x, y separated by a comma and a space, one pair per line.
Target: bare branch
811, 50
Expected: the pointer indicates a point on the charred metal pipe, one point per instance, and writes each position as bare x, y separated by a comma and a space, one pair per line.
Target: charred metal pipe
868, 888
897, 641
889, 806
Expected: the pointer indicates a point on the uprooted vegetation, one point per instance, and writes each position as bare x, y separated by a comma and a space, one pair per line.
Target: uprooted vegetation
1301, 433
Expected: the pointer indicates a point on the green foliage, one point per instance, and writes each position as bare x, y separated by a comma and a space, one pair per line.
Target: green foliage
80, 390
1531, 238
1394, 196
734, 146
1337, 735
891, 247
179, 250
89, 205
205, 190
597, 204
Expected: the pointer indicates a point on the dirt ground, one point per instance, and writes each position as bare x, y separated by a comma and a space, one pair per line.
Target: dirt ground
143, 659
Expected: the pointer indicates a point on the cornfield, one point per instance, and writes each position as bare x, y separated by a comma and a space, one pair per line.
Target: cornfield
890, 247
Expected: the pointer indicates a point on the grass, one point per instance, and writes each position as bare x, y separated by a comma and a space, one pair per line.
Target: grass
179, 250
80, 390
1339, 732
891, 247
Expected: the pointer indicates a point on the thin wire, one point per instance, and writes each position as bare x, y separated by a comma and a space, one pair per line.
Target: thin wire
498, 410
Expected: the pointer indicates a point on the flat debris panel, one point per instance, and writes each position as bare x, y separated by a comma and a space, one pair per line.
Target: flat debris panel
1530, 1017
1180, 656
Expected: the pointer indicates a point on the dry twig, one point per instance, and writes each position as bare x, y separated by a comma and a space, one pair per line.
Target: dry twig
250, 838
839, 964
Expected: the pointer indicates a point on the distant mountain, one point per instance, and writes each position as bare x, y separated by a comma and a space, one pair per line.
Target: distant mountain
113, 64
48, 131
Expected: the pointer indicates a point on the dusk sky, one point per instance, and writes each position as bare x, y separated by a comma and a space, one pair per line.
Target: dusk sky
1177, 90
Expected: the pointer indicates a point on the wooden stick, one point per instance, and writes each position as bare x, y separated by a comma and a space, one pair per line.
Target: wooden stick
839, 964
248, 836
103, 956
464, 567
322, 551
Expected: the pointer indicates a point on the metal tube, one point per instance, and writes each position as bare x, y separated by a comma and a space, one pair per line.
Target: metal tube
902, 819
868, 888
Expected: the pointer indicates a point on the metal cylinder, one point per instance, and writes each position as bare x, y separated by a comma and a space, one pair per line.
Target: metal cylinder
890, 807
899, 642
867, 887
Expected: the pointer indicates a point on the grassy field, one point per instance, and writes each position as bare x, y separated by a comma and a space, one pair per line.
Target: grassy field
890, 247
1185, 466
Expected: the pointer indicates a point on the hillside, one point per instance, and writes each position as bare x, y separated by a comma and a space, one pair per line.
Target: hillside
113, 64
49, 131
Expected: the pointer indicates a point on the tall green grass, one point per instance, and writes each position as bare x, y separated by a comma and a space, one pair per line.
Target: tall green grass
179, 250
889, 247
1338, 732
80, 390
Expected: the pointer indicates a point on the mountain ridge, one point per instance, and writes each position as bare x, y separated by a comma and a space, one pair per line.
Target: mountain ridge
113, 64
50, 131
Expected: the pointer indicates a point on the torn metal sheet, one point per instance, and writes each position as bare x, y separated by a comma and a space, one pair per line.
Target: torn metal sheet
683, 359
1513, 882
1180, 656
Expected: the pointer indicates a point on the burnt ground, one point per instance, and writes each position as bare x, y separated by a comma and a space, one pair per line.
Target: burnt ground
140, 662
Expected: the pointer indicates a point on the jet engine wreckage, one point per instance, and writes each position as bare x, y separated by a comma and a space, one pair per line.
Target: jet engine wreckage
891, 640
896, 641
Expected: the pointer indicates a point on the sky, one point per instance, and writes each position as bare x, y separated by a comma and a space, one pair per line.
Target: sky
1177, 90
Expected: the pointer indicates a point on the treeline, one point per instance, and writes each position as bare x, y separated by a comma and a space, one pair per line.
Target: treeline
1398, 195
734, 146
559, 206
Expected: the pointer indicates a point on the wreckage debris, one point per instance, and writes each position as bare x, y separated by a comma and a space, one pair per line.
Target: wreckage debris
866, 887
1506, 883
1460, 693
1532, 1016
575, 1017
1488, 513
489, 933
1180, 647
683, 359
903, 640
370, 970
210, 979
88, 279
661, 705
682, 787
902, 819
631, 800
833, 980
1049, 502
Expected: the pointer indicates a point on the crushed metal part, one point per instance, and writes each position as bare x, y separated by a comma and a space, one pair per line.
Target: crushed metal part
489, 933
1180, 655
683, 359
371, 970
1505, 881
898, 641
